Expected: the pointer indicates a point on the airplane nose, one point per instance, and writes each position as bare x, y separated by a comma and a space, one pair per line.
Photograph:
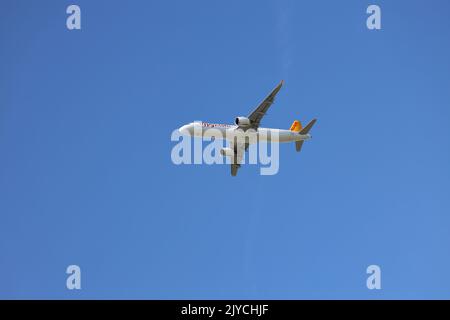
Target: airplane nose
184, 130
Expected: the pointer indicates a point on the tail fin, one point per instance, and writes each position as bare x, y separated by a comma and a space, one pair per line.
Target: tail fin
296, 126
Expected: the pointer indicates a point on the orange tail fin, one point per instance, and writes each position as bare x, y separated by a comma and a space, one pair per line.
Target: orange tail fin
296, 126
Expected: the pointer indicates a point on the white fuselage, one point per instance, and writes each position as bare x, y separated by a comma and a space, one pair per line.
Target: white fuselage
230, 132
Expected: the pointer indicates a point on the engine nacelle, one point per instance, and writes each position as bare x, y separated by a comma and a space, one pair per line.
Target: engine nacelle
227, 152
242, 121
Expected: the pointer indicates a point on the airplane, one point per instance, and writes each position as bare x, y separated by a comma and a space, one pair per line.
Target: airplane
297, 133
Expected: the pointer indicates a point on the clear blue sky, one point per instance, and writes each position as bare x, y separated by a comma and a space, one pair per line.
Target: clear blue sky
86, 176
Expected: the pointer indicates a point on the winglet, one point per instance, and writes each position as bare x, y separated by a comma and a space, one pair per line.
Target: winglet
234, 169
278, 87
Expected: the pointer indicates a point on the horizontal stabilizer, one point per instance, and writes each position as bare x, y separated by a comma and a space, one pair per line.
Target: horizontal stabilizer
298, 145
308, 127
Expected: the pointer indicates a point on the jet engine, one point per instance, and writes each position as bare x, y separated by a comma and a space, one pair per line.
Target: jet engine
242, 121
227, 152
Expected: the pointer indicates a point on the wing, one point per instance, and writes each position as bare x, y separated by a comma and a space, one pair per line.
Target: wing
239, 149
257, 114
